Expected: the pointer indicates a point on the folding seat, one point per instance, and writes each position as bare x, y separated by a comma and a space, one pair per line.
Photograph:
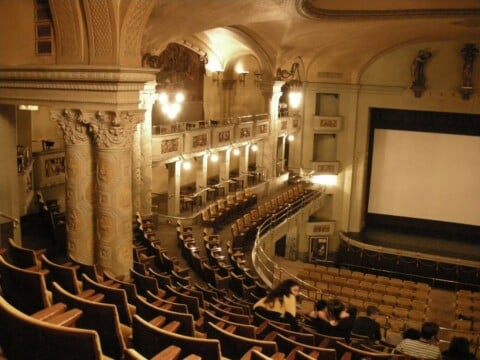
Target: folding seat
385, 309
358, 275
370, 277
396, 282
347, 291
375, 297
383, 280
403, 302
358, 303
354, 283
345, 272
407, 284
361, 294
333, 270
416, 315
393, 290
401, 313
389, 300
379, 288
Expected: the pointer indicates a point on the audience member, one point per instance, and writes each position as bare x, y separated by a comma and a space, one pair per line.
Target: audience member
280, 304
425, 347
459, 349
411, 333
334, 320
367, 325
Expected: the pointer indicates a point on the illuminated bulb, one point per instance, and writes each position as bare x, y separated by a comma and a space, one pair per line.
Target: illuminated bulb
179, 97
290, 138
162, 98
254, 147
214, 157
236, 152
295, 98
187, 165
324, 179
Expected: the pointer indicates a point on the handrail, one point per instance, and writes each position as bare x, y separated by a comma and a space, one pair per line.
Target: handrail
15, 221
258, 253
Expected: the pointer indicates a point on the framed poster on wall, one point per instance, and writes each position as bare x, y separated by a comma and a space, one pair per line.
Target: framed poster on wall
318, 248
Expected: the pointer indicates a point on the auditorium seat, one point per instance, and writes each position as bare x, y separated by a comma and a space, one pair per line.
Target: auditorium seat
24, 289
23, 337
103, 318
148, 340
23, 257
288, 345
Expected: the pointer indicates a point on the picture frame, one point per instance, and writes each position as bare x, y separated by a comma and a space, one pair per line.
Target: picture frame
50, 167
318, 249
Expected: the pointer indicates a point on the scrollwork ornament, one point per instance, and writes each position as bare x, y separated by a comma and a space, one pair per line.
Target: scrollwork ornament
114, 129
74, 130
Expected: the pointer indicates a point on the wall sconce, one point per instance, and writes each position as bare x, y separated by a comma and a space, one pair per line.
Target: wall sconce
241, 77
236, 151
295, 85
217, 76
254, 147
290, 137
214, 157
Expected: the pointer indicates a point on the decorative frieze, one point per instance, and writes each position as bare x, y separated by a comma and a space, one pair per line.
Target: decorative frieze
197, 140
326, 167
327, 123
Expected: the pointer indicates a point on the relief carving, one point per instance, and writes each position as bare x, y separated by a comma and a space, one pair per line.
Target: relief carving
114, 129
70, 121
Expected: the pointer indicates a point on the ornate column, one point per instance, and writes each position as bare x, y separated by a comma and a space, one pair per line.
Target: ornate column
79, 187
201, 175
174, 171
224, 167
113, 137
146, 104
137, 170
271, 91
243, 164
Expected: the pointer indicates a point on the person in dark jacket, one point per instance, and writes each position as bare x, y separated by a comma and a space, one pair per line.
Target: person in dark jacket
367, 325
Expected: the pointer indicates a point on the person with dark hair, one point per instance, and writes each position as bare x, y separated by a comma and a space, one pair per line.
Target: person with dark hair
425, 347
411, 333
280, 304
459, 349
367, 325
334, 320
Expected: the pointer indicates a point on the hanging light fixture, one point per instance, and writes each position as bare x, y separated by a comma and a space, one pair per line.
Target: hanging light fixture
295, 85
170, 102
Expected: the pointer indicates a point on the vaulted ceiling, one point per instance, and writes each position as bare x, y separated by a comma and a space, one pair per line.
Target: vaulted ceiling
340, 35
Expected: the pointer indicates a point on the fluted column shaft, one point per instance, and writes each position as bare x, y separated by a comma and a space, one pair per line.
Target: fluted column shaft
78, 186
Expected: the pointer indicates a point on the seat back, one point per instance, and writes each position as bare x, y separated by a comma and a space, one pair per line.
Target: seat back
234, 345
20, 256
144, 283
24, 289
65, 276
240, 329
149, 311
103, 318
129, 287
148, 340
23, 338
287, 344
117, 297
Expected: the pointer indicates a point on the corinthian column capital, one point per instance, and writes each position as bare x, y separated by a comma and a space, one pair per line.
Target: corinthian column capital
70, 121
113, 129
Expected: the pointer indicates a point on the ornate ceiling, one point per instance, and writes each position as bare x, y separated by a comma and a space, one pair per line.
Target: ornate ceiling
340, 35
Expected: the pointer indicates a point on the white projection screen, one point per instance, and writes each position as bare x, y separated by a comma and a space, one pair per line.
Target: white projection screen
425, 175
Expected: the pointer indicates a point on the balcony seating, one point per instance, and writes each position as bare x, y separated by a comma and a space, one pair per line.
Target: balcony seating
148, 340
103, 318
23, 337
24, 289
65, 276
23, 257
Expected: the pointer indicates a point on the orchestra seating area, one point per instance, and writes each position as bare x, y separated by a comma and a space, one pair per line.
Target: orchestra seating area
193, 300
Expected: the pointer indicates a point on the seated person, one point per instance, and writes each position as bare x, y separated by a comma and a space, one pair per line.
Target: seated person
334, 320
367, 325
425, 347
280, 304
459, 349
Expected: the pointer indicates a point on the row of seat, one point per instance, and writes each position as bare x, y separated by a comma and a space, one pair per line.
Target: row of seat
321, 272
244, 229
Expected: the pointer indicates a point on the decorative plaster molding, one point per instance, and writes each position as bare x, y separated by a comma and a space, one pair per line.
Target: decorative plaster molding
75, 132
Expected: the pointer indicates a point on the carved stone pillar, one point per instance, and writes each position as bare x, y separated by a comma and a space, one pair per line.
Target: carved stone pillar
174, 171
113, 137
271, 92
146, 149
224, 167
201, 175
243, 164
137, 170
79, 187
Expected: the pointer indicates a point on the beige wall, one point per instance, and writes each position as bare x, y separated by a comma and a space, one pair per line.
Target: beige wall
384, 83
